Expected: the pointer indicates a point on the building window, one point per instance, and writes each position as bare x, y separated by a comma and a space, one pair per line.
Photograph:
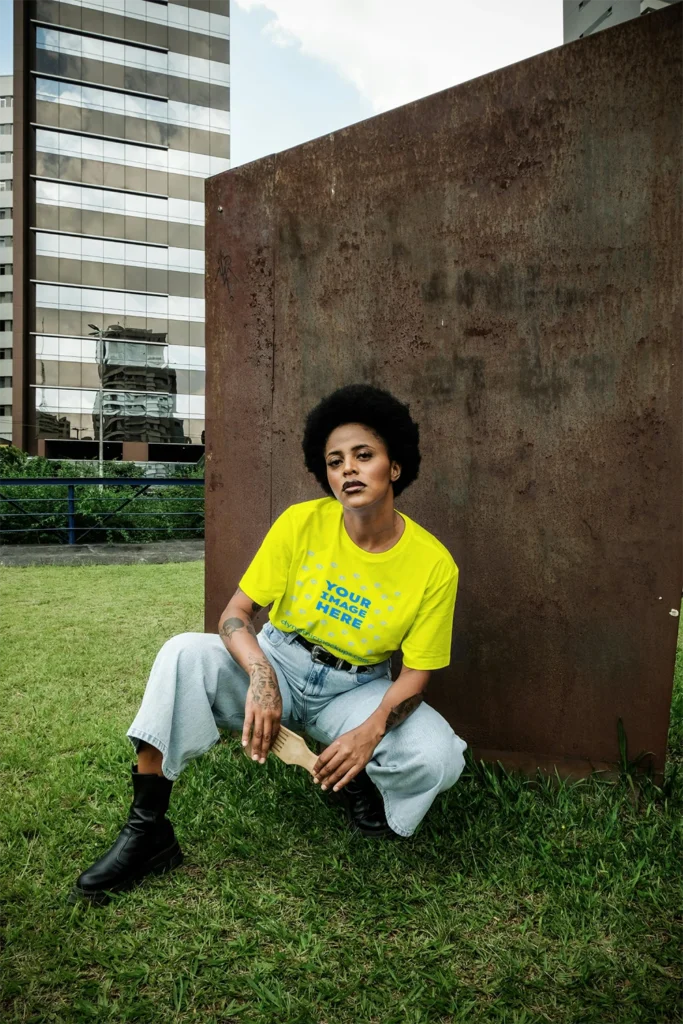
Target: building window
5, 410
5, 240
154, 158
132, 254
5, 353
6, 101
6, 129
142, 304
6, 325
6, 296
6, 185
151, 60
5, 382
125, 415
108, 100
6, 158
132, 204
6, 269
6, 213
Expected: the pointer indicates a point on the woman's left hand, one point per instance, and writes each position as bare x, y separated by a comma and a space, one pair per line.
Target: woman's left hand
345, 758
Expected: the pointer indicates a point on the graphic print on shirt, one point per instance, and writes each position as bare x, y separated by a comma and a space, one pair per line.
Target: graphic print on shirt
355, 604
336, 603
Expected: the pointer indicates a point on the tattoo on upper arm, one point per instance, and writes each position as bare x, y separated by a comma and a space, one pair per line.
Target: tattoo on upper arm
231, 626
254, 607
399, 713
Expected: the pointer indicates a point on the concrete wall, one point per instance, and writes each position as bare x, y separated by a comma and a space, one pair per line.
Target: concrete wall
506, 256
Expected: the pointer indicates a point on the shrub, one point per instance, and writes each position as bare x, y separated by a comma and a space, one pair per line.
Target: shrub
98, 516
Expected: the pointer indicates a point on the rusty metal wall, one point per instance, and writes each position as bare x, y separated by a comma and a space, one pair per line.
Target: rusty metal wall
506, 257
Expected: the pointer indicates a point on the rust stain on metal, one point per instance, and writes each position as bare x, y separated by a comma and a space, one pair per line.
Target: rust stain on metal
506, 256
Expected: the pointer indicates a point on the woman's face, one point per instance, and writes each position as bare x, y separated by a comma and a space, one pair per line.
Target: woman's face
355, 456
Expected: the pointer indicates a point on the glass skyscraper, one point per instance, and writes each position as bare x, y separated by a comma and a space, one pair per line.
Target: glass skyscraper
123, 111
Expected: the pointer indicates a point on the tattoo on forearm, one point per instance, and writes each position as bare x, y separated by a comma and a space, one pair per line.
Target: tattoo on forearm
264, 687
254, 607
399, 713
231, 626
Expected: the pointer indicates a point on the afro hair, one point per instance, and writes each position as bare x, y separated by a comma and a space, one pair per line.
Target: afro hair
376, 409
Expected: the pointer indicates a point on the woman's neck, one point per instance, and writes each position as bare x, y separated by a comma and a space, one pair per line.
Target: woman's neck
375, 529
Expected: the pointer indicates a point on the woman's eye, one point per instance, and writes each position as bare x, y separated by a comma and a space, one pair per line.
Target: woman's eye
333, 465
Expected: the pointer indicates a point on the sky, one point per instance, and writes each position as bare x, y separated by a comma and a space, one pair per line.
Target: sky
303, 68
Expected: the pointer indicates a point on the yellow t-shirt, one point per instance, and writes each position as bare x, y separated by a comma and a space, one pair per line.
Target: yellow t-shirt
357, 605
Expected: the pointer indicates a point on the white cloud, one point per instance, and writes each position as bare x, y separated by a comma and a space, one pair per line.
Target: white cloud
395, 51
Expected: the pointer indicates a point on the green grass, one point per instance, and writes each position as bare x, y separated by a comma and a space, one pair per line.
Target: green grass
514, 903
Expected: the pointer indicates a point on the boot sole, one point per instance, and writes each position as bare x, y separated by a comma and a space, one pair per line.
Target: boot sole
164, 862
387, 833
338, 799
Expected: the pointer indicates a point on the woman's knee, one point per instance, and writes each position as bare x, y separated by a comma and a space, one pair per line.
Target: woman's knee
189, 662
455, 763
440, 763
182, 642
191, 650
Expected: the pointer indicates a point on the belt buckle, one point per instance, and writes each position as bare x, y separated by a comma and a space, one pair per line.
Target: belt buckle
317, 655
316, 652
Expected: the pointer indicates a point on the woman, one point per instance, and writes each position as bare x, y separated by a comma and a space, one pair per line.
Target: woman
350, 580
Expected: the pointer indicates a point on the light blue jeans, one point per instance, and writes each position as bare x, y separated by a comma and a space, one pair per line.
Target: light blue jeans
196, 686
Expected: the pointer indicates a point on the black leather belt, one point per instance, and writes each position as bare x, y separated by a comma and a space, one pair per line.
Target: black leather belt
324, 657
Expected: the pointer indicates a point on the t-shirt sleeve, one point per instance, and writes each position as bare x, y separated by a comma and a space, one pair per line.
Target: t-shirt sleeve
427, 644
267, 575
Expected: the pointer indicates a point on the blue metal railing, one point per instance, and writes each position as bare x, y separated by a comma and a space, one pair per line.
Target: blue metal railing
80, 522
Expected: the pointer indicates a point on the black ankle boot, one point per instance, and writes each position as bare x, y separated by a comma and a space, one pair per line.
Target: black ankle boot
364, 807
145, 845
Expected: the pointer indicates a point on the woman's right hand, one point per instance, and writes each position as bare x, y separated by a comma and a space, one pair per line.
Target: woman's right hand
263, 709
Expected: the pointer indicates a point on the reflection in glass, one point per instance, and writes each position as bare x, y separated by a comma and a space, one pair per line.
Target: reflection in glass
98, 300
54, 348
197, 20
126, 414
93, 98
192, 115
48, 424
53, 193
92, 48
137, 399
87, 147
176, 15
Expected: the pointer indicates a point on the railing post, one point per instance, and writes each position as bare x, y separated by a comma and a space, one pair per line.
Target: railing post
71, 513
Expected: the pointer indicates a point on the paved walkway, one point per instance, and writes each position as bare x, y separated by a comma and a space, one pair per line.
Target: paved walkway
102, 554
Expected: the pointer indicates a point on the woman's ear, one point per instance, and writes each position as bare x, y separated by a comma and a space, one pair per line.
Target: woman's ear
395, 471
